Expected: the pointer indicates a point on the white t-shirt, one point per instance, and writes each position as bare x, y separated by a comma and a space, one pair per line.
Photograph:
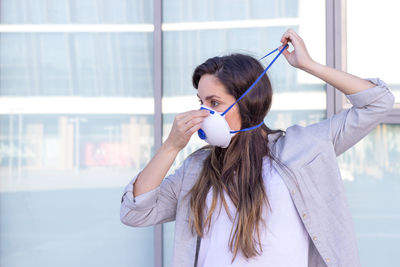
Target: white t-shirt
285, 241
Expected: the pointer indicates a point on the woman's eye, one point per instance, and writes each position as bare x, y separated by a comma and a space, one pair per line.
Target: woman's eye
214, 103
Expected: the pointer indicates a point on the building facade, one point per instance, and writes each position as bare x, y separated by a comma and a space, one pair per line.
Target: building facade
89, 90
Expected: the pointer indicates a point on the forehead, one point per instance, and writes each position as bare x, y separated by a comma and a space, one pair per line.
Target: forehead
209, 84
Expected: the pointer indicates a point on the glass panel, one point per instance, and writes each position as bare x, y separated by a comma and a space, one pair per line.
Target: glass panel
299, 97
76, 123
366, 42
209, 10
76, 64
74, 11
371, 168
370, 171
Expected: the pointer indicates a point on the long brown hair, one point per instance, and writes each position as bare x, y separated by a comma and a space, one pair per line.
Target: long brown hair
237, 169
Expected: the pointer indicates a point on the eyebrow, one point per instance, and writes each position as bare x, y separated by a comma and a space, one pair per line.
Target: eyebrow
209, 96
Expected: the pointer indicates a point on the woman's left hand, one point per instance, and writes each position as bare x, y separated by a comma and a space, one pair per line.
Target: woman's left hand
299, 57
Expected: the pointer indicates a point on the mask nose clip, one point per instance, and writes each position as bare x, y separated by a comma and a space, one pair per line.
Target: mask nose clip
211, 111
200, 132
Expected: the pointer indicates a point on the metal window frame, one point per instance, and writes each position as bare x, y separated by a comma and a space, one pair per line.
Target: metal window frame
336, 57
157, 60
334, 49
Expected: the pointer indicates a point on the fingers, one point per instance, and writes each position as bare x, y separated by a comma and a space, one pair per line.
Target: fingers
186, 116
286, 53
185, 121
282, 47
193, 113
291, 36
193, 123
193, 129
185, 124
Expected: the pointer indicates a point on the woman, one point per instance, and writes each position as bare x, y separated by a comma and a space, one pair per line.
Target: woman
270, 198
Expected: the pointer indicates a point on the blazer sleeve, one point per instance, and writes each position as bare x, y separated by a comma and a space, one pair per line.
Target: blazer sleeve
349, 126
153, 207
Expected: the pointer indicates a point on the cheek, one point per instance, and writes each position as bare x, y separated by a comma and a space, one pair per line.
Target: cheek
233, 119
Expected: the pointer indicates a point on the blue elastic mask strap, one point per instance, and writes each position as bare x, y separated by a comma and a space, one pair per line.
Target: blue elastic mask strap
273, 51
247, 129
259, 77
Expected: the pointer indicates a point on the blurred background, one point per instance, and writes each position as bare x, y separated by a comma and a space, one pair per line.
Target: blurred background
83, 107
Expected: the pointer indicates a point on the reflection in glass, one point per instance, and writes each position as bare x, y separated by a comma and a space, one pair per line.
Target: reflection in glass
77, 12
76, 123
370, 171
209, 10
371, 168
80, 149
76, 64
371, 59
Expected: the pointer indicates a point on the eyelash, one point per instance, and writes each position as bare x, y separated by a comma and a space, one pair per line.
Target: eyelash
213, 103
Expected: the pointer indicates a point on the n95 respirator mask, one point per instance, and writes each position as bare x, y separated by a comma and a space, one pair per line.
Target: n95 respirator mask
215, 129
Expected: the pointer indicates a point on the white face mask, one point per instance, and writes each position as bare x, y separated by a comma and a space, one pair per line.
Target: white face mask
215, 129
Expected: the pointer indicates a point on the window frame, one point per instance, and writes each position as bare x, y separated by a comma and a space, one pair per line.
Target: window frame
336, 57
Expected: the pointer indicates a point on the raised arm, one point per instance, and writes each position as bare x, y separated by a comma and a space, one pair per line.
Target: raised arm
299, 58
371, 99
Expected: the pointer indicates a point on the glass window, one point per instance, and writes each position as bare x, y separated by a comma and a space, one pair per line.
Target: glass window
76, 64
76, 124
77, 12
362, 48
370, 172
371, 168
209, 10
189, 39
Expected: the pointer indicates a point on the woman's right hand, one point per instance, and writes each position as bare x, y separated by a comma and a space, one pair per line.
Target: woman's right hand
184, 126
